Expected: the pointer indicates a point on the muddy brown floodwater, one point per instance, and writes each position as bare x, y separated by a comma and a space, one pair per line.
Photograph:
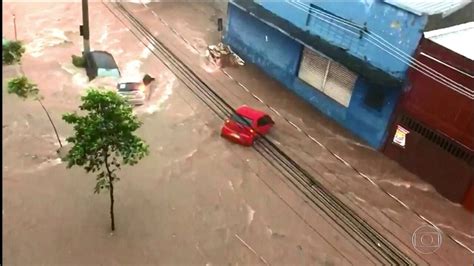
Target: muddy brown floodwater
196, 199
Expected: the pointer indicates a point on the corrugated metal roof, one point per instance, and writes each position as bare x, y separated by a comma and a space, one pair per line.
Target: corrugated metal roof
456, 38
429, 7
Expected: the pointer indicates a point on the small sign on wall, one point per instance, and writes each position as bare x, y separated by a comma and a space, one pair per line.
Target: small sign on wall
400, 136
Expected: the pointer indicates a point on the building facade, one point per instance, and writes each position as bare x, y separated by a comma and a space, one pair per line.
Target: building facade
432, 133
349, 62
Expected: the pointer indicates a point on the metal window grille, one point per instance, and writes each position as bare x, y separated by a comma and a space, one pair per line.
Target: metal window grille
449, 145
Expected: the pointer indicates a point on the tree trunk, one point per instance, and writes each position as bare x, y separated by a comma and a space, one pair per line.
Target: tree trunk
46, 111
51, 121
111, 190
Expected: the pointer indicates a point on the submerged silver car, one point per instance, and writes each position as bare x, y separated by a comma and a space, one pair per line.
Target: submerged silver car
136, 92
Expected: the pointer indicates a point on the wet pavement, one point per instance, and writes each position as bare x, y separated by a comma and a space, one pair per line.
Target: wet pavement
197, 199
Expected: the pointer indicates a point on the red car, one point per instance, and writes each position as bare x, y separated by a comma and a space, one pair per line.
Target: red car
246, 125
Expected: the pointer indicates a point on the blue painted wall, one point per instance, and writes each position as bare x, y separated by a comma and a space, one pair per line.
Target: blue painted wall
399, 28
279, 56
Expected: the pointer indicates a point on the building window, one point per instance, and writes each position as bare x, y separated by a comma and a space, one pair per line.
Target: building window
375, 98
327, 76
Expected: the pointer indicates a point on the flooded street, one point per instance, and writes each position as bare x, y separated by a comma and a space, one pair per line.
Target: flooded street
196, 192
197, 199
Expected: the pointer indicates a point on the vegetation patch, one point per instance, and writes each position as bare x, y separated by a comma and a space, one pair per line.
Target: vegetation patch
23, 88
12, 51
78, 61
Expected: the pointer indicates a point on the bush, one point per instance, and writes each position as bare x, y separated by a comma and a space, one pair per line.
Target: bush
22, 87
78, 61
12, 52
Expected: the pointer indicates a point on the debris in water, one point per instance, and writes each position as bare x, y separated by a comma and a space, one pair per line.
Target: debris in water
222, 55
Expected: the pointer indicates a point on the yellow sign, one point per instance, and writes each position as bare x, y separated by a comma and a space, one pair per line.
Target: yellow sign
400, 136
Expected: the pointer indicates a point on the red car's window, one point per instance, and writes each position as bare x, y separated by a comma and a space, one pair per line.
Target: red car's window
241, 120
265, 120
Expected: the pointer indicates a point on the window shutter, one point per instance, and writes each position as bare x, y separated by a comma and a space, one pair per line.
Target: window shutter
313, 69
329, 77
340, 83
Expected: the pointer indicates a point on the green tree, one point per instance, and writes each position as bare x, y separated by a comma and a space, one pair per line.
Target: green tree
104, 139
25, 89
12, 52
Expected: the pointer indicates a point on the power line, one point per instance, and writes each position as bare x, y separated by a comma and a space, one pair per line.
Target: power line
379, 39
458, 87
422, 68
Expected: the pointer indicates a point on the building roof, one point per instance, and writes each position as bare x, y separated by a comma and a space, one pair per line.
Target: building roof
456, 38
429, 7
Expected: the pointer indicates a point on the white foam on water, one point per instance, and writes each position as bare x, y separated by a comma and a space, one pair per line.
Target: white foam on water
141, 1
250, 215
356, 197
132, 67
49, 163
104, 35
47, 38
42, 166
189, 155
407, 185
80, 80
151, 109
79, 77
167, 91
456, 230
116, 52
147, 51
231, 186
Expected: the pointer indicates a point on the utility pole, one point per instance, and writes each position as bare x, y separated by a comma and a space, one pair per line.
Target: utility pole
14, 27
84, 29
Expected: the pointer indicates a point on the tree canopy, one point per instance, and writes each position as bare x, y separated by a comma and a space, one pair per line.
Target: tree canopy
104, 138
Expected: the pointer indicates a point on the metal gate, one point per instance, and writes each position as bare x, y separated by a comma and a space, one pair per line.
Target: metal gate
442, 162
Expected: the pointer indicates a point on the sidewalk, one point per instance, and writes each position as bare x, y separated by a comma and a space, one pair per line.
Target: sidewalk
353, 187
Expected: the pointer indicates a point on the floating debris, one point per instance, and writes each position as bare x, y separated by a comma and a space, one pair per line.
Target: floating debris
222, 55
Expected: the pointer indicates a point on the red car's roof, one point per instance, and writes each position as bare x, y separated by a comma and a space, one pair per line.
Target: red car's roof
249, 112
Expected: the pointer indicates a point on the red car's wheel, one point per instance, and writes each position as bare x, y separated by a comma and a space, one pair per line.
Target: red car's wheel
252, 141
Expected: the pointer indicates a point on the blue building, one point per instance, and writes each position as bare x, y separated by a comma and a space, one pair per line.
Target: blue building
346, 58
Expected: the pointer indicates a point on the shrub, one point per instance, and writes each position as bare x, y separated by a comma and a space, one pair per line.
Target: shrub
22, 87
78, 61
12, 52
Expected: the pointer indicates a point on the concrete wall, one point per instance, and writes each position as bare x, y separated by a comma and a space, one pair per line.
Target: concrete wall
279, 56
398, 27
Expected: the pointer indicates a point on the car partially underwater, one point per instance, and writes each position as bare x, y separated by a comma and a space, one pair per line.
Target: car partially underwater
246, 125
